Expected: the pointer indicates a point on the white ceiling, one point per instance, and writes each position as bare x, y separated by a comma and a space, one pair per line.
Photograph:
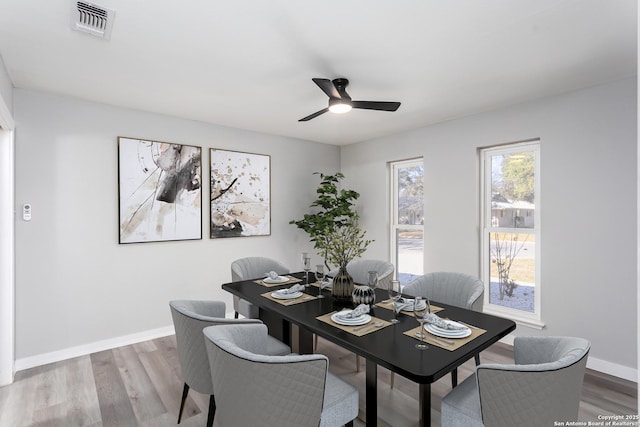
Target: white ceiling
249, 63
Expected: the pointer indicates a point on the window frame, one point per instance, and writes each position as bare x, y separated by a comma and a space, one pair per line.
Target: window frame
394, 226
485, 154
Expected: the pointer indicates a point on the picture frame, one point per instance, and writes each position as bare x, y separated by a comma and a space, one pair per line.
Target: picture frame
159, 191
240, 194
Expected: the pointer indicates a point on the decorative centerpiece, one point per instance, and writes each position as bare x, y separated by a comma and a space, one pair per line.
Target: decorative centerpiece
366, 294
333, 229
341, 245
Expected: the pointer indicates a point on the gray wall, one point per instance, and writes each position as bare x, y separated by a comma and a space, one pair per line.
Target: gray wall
587, 205
75, 285
6, 88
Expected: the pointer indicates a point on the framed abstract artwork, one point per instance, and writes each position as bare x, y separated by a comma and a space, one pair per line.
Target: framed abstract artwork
240, 194
160, 191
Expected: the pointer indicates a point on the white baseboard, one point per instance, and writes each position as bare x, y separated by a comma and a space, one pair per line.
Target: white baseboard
599, 365
614, 369
83, 350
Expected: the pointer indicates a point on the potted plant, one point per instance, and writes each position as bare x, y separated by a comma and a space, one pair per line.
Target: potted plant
334, 209
341, 245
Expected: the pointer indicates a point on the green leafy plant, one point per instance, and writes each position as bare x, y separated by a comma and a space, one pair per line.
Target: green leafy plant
343, 244
333, 209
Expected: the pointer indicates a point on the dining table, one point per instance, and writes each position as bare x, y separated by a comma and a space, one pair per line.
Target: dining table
380, 342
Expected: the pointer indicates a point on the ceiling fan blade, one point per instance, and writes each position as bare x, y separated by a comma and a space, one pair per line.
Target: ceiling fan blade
327, 87
314, 115
376, 105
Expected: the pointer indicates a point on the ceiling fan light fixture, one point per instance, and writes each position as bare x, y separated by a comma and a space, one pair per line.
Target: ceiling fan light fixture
340, 102
339, 106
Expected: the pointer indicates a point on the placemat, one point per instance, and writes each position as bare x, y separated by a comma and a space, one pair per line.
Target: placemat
446, 343
301, 298
317, 284
388, 304
356, 330
270, 285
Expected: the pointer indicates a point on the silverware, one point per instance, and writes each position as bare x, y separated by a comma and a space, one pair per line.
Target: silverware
438, 339
295, 300
370, 327
361, 327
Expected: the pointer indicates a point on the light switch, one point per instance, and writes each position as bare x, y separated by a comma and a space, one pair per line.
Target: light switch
26, 212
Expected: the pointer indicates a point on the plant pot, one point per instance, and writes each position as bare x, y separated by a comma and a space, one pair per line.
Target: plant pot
342, 289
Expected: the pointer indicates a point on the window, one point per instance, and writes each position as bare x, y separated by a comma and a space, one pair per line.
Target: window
511, 230
407, 219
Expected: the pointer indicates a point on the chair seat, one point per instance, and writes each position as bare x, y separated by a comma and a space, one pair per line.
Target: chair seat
275, 347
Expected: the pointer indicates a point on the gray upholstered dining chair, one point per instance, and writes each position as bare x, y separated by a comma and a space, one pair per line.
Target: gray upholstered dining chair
252, 268
189, 319
359, 270
254, 389
542, 386
457, 289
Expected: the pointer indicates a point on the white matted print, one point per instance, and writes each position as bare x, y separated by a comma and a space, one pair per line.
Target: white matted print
240, 194
160, 191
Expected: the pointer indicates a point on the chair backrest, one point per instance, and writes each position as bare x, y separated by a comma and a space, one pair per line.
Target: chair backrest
255, 267
254, 389
359, 270
189, 319
458, 289
542, 386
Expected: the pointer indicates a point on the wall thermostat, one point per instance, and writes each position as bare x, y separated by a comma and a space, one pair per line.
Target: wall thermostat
26, 212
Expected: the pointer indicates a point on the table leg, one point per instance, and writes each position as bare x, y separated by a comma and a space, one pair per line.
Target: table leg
305, 341
425, 405
371, 397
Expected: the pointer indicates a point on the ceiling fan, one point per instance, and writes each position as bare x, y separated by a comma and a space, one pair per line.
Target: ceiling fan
340, 101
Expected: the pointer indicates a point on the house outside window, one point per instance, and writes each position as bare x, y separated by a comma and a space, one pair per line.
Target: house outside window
407, 218
510, 241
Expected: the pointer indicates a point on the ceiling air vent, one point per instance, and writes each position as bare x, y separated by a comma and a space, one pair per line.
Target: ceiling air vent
91, 18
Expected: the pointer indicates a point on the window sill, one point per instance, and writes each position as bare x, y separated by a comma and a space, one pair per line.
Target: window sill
520, 320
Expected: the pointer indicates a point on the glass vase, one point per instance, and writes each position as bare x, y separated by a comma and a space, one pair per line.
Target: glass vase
342, 289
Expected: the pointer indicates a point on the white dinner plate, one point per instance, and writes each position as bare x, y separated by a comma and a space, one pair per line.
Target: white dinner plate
280, 295
409, 306
280, 279
360, 320
446, 333
460, 327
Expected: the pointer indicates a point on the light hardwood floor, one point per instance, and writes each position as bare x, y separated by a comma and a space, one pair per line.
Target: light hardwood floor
141, 384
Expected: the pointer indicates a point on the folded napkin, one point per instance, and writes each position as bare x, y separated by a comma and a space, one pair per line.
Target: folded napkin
433, 319
405, 304
326, 283
291, 290
272, 275
356, 312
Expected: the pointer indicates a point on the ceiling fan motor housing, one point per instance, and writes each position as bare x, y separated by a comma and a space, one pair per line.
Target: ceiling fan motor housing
341, 86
